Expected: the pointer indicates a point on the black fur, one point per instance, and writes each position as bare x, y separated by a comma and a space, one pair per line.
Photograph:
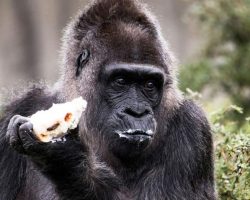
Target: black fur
128, 80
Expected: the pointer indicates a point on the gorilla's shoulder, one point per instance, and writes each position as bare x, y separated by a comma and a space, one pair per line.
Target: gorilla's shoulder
193, 115
192, 109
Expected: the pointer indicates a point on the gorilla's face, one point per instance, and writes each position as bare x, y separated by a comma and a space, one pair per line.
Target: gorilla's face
130, 93
121, 75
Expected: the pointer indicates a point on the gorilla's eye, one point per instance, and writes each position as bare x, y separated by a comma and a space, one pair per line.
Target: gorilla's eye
120, 81
150, 85
81, 60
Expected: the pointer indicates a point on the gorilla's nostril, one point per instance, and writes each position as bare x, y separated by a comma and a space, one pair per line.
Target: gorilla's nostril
136, 113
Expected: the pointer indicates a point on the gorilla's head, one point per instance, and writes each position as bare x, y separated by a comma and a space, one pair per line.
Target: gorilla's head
116, 59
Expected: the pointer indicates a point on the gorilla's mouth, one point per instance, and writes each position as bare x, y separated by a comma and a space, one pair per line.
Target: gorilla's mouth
135, 133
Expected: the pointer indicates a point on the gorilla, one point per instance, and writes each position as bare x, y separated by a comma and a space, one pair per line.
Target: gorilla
139, 137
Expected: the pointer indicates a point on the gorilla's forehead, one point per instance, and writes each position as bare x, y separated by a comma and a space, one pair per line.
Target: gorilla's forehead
129, 30
129, 42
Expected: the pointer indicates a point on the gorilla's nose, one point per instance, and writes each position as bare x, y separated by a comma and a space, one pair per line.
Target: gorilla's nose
137, 112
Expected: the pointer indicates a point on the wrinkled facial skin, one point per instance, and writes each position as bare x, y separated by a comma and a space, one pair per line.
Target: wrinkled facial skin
122, 77
130, 93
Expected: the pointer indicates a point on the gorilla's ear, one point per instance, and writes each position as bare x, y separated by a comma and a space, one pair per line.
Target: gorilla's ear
82, 60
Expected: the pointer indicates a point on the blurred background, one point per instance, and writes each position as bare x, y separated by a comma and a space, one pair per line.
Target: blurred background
211, 40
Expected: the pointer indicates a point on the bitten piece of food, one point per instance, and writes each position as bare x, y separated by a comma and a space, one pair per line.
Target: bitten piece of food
55, 122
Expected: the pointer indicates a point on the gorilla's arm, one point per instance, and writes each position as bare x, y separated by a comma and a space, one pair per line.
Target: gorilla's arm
12, 164
199, 144
68, 164
190, 153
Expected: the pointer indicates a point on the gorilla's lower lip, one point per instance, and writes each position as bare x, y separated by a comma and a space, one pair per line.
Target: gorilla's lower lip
135, 132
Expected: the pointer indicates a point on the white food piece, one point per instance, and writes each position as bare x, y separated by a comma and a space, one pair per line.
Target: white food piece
56, 121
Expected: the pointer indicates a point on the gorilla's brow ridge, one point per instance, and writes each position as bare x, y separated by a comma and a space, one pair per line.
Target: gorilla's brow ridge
131, 68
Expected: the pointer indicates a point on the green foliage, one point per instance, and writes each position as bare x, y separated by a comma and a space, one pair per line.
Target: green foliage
195, 76
224, 64
232, 161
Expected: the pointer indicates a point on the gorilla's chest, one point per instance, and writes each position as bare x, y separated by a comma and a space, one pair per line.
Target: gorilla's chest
143, 191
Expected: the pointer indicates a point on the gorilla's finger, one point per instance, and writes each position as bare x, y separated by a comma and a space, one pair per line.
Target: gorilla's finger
15, 122
27, 128
26, 135
11, 122
13, 132
31, 143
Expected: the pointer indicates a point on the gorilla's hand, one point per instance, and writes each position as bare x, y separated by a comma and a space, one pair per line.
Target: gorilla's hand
60, 161
22, 138
20, 135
